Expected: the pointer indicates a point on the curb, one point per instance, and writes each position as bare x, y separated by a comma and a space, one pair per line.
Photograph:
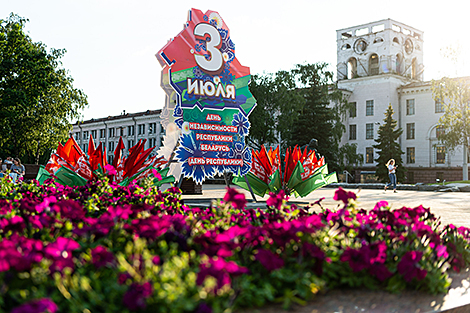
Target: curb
417, 187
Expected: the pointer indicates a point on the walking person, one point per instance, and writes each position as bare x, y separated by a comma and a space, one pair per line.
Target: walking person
391, 174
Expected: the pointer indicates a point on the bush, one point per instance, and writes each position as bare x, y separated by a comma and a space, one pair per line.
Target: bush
106, 248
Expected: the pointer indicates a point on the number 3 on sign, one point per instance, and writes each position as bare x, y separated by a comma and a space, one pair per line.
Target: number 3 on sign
214, 65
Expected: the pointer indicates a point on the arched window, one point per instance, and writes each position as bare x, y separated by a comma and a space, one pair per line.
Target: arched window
346, 47
414, 69
395, 40
374, 64
398, 64
352, 68
378, 40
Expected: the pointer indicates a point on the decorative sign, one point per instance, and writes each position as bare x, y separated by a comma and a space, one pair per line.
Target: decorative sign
207, 98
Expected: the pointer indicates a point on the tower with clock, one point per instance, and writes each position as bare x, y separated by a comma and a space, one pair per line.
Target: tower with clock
382, 47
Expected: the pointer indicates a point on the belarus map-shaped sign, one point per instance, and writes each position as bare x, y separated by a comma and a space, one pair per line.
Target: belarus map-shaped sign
207, 98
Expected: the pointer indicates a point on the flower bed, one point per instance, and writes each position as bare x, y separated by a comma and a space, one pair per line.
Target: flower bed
108, 248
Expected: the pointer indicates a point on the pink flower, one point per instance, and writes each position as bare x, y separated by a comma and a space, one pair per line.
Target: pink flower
134, 298
101, 257
37, 306
237, 199
110, 170
357, 259
269, 260
381, 204
409, 268
343, 195
277, 200
61, 253
221, 270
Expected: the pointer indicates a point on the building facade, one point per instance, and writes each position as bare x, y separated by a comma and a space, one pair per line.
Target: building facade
132, 127
381, 63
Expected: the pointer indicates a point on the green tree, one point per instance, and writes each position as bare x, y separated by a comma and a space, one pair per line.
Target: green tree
318, 118
277, 101
37, 97
349, 158
388, 147
455, 92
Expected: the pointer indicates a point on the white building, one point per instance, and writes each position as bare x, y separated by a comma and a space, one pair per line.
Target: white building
132, 127
381, 63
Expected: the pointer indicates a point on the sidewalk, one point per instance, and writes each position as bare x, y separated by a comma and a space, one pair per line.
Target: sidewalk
451, 207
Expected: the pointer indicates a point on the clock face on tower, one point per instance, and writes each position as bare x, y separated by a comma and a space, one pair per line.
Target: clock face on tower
360, 46
408, 46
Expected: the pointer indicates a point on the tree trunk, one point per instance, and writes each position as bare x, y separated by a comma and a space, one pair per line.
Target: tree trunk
37, 152
465, 165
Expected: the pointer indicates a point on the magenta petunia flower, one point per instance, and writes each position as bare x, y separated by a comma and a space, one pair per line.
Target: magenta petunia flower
60, 252
236, 198
269, 260
380, 271
37, 306
69, 209
343, 195
357, 259
409, 268
378, 252
276, 200
134, 298
381, 204
110, 170
101, 257
441, 251
221, 270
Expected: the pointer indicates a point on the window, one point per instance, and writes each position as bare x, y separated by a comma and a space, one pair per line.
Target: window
352, 68
111, 132
85, 134
85, 148
102, 133
130, 130
370, 108
152, 142
369, 155
130, 144
93, 133
352, 132
410, 131
352, 109
440, 155
141, 129
410, 106
77, 136
111, 146
370, 131
121, 131
410, 155
374, 64
439, 131
152, 128
110, 159
438, 106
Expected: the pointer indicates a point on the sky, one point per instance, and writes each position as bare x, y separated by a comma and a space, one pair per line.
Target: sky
111, 44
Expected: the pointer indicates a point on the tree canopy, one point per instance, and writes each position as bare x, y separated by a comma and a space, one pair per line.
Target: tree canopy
277, 103
388, 147
37, 97
455, 93
296, 106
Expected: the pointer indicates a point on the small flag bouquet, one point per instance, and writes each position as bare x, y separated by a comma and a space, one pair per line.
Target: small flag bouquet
70, 166
301, 173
